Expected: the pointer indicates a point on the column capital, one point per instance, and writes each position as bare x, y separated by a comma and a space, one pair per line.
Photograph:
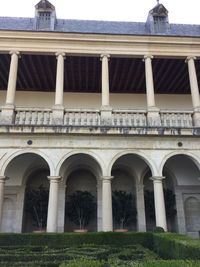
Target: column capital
104, 56
139, 187
190, 58
148, 56
14, 53
106, 178
63, 54
157, 179
3, 179
54, 179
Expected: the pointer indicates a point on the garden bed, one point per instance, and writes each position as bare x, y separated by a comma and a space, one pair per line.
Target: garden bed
99, 250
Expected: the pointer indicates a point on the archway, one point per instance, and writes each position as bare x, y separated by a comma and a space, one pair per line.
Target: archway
27, 170
127, 171
82, 173
182, 175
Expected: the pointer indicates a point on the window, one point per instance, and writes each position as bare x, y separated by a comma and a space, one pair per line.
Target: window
160, 24
44, 20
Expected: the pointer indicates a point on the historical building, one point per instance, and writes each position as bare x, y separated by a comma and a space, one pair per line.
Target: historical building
100, 106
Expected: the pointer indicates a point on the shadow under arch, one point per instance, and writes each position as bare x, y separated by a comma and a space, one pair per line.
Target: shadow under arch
140, 155
89, 154
81, 172
12, 156
189, 155
20, 168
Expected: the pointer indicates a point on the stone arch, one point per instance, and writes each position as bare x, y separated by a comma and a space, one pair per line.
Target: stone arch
139, 154
11, 156
81, 172
19, 167
93, 155
190, 155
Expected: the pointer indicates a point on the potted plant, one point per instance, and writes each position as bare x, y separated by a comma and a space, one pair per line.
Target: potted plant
80, 209
36, 205
124, 209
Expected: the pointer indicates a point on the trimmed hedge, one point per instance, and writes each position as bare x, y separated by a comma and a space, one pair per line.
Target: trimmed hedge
116, 249
74, 239
174, 246
158, 263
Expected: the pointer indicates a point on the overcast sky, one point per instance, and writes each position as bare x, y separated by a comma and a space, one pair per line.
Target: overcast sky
180, 11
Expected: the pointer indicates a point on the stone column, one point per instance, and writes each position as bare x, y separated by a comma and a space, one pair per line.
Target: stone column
52, 218
2, 188
8, 109
99, 205
194, 90
58, 109
180, 211
105, 108
107, 218
153, 116
159, 202
141, 218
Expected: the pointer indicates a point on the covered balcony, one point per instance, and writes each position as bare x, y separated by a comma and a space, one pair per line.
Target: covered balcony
93, 94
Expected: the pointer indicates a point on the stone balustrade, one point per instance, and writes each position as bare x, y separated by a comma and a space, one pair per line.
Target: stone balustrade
92, 118
81, 117
171, 118
129, 118
33, 116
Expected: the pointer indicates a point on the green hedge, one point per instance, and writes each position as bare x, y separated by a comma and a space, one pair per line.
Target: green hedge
174, 246
72, 239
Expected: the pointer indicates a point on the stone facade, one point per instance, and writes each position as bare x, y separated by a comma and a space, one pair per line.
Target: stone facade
99, 141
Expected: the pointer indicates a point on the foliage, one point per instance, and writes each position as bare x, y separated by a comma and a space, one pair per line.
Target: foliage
36, 205
173, 246
83, 263
159, 229
80, 208
115, 249
124, 208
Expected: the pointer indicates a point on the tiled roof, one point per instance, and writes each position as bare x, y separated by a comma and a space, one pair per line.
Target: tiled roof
99, 27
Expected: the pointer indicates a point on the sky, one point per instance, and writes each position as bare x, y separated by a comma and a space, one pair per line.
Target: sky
180, 11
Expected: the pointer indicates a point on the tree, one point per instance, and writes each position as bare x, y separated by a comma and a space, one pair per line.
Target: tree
80, 208
36, 204
124, 208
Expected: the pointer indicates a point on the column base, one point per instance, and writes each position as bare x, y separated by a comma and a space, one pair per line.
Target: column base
7, 114
57, 115
196, 117
106, 115
153, 117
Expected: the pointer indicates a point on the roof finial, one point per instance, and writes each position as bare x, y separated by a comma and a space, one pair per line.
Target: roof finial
157, 2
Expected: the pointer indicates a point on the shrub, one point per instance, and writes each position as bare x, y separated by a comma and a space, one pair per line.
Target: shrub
168, 263
174, 246
159, 229
83, 263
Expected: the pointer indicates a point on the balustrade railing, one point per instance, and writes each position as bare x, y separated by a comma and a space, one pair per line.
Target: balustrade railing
129, 118
81, 117
92, 118
172, 118
33, 116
